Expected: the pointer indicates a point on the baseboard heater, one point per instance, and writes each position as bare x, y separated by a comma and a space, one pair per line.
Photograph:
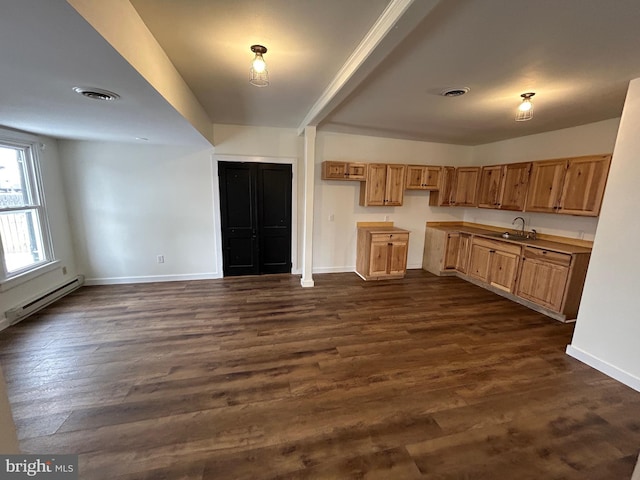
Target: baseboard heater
16, 314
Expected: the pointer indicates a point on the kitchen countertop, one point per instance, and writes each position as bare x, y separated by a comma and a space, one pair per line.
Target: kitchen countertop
492, 233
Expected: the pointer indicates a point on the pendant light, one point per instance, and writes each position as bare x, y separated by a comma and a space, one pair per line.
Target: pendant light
525, 109
259, 76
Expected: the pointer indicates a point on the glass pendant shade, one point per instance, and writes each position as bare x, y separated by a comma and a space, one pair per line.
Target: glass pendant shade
525, 109
258, 74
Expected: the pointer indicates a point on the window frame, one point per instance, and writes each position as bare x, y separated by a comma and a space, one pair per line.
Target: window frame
37, 204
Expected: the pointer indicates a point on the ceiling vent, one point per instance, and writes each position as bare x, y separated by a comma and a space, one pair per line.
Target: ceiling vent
454, 92
96, 93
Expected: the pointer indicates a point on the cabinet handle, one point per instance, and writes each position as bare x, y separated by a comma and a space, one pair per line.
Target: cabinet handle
390, 244
492, 251
544, 253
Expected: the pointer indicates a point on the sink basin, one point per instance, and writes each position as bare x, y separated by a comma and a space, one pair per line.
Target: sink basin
511, 236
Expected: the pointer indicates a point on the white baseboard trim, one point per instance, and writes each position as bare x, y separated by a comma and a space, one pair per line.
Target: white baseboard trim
4, 323
151, 279
605, 367
334, 269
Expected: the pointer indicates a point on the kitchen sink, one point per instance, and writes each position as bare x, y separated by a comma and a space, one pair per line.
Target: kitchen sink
512, 236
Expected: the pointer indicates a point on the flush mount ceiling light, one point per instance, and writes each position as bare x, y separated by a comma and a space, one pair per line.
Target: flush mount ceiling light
96, 93
258, 73
525, 109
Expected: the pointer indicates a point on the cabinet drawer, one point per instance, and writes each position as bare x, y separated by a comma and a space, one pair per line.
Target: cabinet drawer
498, 245
549, 256
389, 237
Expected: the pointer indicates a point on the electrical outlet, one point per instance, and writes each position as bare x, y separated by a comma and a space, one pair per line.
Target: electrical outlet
386, 218
64, 270
331, 217
160, 258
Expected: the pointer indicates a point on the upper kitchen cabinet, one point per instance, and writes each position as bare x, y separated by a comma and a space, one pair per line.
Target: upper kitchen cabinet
457, 186
422, 177
514, 186
332, 170
490, 186
504, 186
446, 183
384, 185
465, 192
572, 186
583, 186
545, 185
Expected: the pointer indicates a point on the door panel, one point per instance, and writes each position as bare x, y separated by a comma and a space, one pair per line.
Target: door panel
274, 207
255, 207
238, 218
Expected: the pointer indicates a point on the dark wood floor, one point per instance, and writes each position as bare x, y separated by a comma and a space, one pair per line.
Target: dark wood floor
258, 378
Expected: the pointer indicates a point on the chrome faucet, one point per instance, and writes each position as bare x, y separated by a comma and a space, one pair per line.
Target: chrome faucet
522, 234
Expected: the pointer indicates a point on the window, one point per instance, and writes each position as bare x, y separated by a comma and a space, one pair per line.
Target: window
24, 234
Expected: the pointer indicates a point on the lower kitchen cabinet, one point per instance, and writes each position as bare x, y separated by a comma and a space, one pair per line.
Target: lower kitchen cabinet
543, 279
382, 252
495, 263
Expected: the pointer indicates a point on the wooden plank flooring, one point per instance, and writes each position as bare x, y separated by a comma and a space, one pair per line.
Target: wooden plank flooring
258, 378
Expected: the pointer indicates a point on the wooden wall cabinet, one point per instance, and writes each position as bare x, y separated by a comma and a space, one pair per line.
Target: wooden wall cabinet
382, 252
384, 185
444, 195
422, 177
495, 263
504, 186
490, 190
465, 193
573, 186
332, 170
458, 186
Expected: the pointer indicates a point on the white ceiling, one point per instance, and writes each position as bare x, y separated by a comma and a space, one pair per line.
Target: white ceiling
577, 55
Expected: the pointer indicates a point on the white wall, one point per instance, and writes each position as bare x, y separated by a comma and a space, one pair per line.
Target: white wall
607, 332
335, 241
587, 139
56, 205
129, 203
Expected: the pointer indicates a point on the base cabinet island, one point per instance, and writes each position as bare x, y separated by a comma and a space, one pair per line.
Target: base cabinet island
381, 251
545, 274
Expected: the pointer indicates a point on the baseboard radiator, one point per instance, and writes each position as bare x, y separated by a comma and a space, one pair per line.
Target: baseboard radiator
16, 314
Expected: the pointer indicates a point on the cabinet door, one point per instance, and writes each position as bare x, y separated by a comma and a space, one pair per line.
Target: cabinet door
394, 189
545, 186
479, 260
374, 188
443, 197
398, 256
451, 251
466, 186
415, 177
490, 186
514, 186
584, 184
334, 170
462, 260
379, 258
432, 178
543, 283
356, 171
503, 270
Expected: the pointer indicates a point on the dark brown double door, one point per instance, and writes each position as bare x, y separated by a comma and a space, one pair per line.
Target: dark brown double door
255, 214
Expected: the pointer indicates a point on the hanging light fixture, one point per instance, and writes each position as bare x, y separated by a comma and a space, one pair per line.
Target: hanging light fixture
258, 73
525, 109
